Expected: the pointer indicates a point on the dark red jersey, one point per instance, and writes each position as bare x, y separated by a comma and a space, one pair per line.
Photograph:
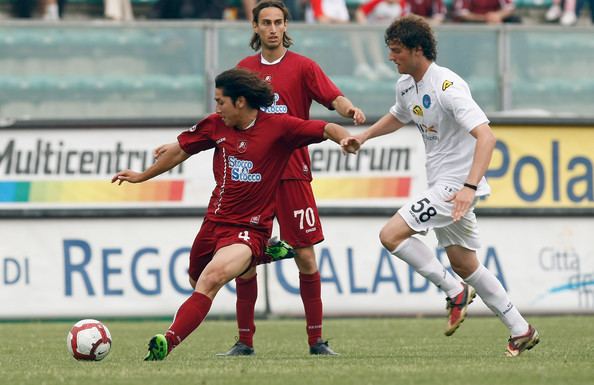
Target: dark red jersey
248, 164
296, 81
426, 8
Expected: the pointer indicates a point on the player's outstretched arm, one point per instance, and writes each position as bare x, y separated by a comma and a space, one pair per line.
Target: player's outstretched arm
171, 157
387, 124
337, 134
157, 152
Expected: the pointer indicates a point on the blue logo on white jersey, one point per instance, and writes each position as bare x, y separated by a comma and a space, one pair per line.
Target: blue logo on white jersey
426, 101
275, 108
240, 170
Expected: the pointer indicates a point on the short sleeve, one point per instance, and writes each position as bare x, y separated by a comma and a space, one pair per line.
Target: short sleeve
198, 137
299, 132
457, 100
399, 110
320, 87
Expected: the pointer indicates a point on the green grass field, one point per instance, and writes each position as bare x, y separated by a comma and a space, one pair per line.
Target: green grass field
373, 351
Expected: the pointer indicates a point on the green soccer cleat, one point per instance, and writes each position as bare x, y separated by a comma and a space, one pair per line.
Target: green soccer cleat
157, 348
278, 249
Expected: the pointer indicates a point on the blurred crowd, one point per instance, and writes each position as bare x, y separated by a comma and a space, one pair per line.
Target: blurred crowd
564, 12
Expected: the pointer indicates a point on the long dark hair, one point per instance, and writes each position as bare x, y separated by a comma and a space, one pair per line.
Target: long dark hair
412, 32
256, 43
238, 82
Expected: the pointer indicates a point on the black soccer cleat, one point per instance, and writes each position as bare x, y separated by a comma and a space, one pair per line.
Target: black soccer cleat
239, 349
321, 348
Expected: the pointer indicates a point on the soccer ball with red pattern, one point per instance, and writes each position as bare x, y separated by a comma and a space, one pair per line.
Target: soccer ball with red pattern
89, 340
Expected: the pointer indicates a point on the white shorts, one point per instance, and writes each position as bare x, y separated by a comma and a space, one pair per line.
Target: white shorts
429, 210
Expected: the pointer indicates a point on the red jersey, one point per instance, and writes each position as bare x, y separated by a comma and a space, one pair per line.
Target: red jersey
481, 7
248, 164
296, 81
426, 8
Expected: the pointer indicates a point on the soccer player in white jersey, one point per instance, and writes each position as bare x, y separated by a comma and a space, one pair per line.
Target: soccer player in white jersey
458, 144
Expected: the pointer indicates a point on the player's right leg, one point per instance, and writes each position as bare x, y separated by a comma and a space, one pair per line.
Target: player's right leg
158, 348
233, 253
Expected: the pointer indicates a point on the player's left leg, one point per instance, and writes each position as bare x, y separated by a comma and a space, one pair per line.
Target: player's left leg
300, 226
310, 288
246, 288
465, 263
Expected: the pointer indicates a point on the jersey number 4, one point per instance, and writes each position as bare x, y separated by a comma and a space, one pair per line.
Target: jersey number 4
245, 235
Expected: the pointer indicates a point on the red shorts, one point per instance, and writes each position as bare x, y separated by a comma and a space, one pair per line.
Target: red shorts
297, 214
213, 236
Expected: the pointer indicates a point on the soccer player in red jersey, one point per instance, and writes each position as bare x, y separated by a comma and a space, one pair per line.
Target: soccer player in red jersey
296, 81
251, 149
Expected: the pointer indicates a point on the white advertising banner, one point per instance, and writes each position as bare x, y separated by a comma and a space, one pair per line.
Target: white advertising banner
88, 267
137, 267
546, 265
72, 168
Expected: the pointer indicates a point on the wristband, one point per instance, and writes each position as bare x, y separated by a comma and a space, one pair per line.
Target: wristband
470, 186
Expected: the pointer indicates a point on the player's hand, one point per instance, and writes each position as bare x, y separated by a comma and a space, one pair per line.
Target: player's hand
358, 115
127, 176
350, 144
462, 201
493, 18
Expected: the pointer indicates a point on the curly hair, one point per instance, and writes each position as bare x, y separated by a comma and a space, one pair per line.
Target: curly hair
256, 43
412, 32
238, 82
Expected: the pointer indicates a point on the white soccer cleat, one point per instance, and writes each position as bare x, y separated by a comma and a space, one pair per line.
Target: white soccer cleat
554, 13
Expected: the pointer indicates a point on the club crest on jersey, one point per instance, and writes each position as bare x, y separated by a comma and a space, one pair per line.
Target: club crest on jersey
275, 108
242, 146
426, 101
417, 110
255, 220
446, 84
268, 78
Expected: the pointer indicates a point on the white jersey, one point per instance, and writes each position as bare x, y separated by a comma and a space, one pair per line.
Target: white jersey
336, 9
442, 108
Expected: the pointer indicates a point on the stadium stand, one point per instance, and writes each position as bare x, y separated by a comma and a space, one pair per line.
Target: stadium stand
56, 72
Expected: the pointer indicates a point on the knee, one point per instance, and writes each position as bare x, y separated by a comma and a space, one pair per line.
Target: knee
306, 260
213, 280
389, 240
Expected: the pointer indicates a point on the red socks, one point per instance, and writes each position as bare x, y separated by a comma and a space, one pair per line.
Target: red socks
188, 317
247, 293
311, 288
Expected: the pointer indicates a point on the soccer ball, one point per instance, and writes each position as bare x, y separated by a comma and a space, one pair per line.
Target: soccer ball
89, 340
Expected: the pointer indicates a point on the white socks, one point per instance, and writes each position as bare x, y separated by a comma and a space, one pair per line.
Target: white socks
421, 258
493, 294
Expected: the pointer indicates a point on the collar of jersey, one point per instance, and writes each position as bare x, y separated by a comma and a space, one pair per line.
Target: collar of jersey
270, 63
